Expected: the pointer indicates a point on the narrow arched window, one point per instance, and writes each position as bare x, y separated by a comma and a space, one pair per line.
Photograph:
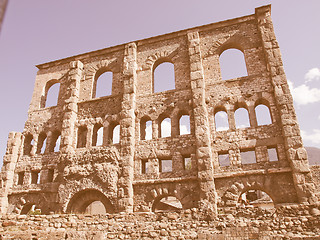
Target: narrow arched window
241, 116
263, 115
163, 77
82, 137
145, 129
28, 144
184, 125
97, 136
52, 94
165, 128
55, 141
232, 64
42, 140
103, 85
116, 134
221, 121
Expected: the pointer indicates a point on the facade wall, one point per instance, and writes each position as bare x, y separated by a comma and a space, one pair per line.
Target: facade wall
115, 173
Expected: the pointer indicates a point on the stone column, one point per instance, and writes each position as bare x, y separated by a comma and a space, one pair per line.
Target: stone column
296, 153
70, 108
14, 150
127, 129
208, 198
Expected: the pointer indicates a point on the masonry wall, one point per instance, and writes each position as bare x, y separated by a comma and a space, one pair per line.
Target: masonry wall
290, 222
127, 176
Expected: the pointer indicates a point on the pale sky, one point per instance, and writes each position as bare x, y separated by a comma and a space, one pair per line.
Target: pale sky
39, 31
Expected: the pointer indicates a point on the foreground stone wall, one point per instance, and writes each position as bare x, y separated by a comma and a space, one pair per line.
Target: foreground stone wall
287, 222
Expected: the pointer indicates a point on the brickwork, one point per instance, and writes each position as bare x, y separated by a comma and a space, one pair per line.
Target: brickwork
135, 173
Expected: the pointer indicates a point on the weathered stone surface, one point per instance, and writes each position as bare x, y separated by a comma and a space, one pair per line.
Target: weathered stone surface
114, 149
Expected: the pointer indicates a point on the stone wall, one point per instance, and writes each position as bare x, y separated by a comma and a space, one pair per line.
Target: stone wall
286, 222
127, 175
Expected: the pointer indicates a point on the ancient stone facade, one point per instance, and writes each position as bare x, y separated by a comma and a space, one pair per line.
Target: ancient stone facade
137, 172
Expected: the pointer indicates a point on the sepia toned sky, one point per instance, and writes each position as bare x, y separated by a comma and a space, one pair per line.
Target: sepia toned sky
39, 31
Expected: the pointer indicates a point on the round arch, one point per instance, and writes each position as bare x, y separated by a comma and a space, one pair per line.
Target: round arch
81, 200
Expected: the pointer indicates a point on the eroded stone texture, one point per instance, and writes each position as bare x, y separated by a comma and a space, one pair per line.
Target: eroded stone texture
137, 172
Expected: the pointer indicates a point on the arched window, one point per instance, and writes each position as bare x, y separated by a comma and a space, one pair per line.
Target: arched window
103, 85
42, 140
97, 136
28, 143
165, 128
263, 115
115, 133
82, 137
221, 120
55, 141
163, 77
241, 117
145, 129
184, 124
232, 64
51, 94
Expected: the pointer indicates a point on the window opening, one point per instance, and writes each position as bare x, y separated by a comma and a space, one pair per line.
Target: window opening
52, 95
116, 134
165, 130
28, 144
248, 156
224, 159
184, 124
42, 140
163, 77
145, 129
263, 115
50, 175
145, 166
187, 163
167, 203
165, 165
241, 116
273, 154
256, 198
82, 137
232, 64
96, 207
97, 136
35, 179
55, 142
221, 121
20, 178
103, 85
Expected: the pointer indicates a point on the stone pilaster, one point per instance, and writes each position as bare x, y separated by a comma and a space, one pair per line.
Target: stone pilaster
296, 153
71, 106
14, 148
127, 128
208, 199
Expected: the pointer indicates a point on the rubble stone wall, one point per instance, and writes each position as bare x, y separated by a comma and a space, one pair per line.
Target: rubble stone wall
287, 222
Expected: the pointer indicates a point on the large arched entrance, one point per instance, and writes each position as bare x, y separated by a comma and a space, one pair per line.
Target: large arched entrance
90, 201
